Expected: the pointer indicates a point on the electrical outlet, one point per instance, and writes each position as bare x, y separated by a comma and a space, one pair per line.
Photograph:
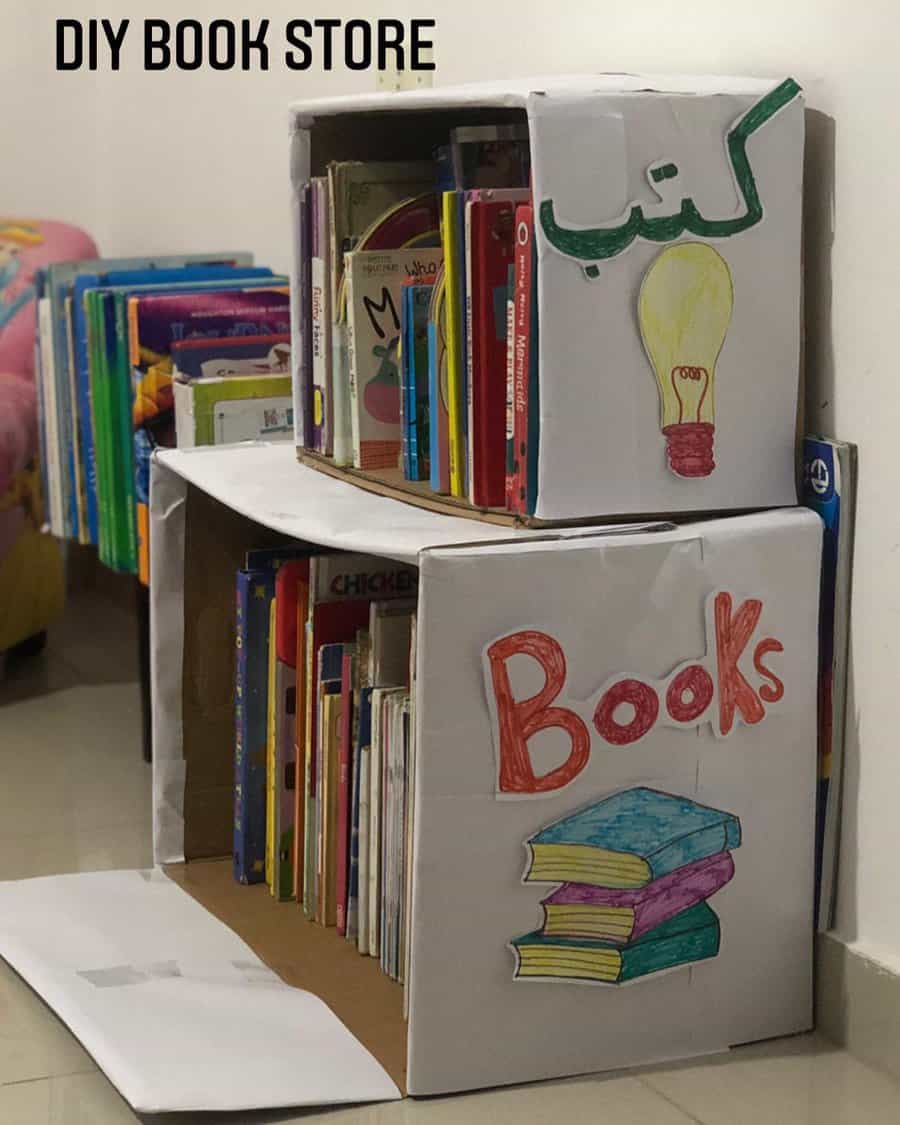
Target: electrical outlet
391, 79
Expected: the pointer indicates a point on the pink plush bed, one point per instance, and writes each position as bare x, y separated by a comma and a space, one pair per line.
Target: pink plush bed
31, 573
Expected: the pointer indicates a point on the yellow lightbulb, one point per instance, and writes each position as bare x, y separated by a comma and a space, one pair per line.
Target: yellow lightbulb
684, 310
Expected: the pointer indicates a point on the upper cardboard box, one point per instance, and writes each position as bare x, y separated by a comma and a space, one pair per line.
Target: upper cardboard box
668, 216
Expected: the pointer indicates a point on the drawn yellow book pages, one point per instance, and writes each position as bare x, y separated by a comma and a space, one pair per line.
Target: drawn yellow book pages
582, 863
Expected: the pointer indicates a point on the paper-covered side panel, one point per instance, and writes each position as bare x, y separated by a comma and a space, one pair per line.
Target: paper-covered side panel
668, 232
615, 793
168, 493
176, 1010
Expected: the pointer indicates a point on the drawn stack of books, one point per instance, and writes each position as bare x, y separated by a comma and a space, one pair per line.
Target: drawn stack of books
636, 870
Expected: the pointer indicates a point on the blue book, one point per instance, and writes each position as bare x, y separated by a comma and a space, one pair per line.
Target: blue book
363, 739
416, 346
255, 590
630, 839
829, 489
271, 558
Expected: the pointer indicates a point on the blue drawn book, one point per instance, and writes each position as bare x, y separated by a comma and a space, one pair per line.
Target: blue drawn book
693, 935
629, 839
829, 489
255, 590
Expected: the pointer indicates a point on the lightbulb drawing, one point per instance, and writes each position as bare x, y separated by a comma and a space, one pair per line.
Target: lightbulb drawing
684, 310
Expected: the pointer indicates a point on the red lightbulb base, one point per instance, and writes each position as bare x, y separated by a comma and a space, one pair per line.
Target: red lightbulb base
689, 448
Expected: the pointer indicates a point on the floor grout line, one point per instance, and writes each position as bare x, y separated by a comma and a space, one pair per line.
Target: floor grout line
670, 1101
92, 1069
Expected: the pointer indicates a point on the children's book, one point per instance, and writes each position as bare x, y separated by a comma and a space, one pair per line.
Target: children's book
417, 300
255, 590
155, 322
289, 577
345, 762
490, 252
359, 683
330, 662
320, 319
222, 357
517, 458
692, 935
578, 910
219, 411
390, 627
629, 839
359, 192
73, 279
454, 272
437, 387
341, 587
359, 870
374, 289
829, 488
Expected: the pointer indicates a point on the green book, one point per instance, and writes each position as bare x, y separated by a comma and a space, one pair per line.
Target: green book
220, 410
100, 420
692, 935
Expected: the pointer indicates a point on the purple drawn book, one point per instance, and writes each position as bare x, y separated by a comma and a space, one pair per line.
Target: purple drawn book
580, 910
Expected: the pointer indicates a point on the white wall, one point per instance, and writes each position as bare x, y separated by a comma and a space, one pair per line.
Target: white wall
194, 161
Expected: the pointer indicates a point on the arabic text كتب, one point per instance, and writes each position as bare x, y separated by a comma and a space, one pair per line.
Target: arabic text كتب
599, 243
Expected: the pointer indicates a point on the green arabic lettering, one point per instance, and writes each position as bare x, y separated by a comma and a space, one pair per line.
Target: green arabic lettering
600, 243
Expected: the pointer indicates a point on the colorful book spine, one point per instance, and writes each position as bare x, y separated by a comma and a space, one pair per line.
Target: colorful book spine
510, 377
491, 241
517, 475
404, 356
352, 912
254, 595
320, 321
345, 760
437, 389
455, 315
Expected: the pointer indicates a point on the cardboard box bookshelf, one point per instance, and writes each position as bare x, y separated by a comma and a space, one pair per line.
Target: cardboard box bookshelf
712, 629
558, 676
668, 226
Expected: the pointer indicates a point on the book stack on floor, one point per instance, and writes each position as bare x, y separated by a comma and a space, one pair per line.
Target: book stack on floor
325, 656
637, 870
140, 353
416, 303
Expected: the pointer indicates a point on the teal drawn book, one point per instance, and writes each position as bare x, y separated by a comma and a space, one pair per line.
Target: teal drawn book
692, 935
629, 839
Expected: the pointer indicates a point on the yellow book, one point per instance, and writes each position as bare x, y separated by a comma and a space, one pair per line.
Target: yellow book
455, 388
331, 729
271, 865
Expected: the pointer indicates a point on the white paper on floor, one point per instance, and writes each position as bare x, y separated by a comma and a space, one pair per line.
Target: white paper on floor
177, 1011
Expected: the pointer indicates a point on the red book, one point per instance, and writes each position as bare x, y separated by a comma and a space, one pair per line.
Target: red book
343, 818
300, 731
517, 480
492, 230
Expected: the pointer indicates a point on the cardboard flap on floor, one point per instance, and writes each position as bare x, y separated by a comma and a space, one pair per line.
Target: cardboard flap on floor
177, 1011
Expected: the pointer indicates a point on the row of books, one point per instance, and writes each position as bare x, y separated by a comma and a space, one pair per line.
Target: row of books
324, 740
128, 347
419, 317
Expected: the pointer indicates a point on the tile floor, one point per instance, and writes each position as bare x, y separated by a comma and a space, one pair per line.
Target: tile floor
75, 796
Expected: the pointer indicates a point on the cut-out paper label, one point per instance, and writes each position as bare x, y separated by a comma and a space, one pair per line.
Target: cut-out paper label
684, 310
658, 222
734, 682
635, 872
